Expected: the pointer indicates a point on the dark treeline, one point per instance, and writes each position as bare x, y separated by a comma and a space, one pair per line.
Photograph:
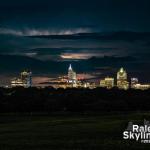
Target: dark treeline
72, 100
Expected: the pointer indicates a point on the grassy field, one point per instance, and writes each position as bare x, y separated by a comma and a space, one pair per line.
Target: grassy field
68, 132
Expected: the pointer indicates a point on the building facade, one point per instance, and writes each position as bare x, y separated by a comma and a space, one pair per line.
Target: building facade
107, 83
122, 82
134, 82
72, 77
25, 80
26, 77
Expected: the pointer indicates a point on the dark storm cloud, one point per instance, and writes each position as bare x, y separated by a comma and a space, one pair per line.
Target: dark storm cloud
74, 31
98, 14
76, 46
120, 36
17, 63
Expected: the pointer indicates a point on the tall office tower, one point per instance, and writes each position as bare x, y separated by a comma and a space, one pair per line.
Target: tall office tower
26, 77
25, 80
72, 77
122, 82
134, 82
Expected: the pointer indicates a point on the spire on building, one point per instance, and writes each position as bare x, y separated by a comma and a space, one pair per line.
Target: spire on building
121, 70
70, 67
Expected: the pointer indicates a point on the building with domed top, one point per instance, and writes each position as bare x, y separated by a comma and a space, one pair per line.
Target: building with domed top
122, 82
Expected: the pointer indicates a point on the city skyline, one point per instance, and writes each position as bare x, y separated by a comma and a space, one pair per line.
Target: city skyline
97, 37
74, 74
72, 80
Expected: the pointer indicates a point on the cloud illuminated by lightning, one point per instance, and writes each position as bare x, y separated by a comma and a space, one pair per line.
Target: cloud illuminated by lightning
39, 32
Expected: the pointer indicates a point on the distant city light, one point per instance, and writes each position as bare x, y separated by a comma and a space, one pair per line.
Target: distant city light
74, 80
25, 80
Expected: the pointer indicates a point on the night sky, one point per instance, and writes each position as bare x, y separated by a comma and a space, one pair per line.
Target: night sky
96, 36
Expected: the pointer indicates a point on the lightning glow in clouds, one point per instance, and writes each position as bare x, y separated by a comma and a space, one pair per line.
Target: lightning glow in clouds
36, 32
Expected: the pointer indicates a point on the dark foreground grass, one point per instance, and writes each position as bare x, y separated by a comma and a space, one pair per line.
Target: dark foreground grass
68, 132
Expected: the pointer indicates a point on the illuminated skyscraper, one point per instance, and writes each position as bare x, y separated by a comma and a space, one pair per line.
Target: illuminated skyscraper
122, 82
26, 77
107, 82
72, 77
134, 81
25, 80
121, 74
